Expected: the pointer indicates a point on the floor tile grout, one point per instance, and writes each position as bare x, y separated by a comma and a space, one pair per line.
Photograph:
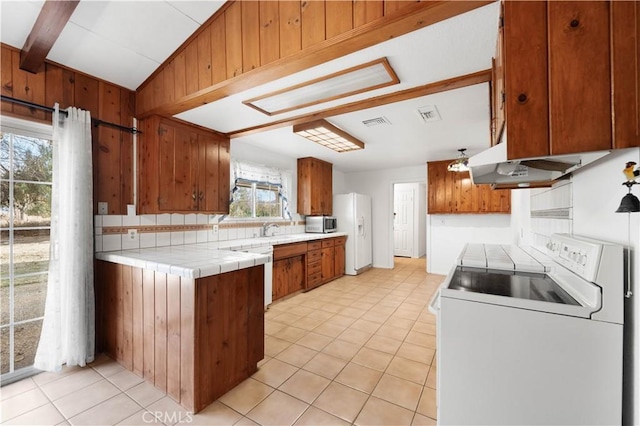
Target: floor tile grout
380, 294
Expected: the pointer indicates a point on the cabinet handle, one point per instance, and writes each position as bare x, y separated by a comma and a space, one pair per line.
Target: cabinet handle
522, 98
201, 196
574, 23
193, 195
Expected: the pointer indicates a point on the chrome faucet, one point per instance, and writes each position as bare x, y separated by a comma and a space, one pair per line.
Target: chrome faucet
266, 226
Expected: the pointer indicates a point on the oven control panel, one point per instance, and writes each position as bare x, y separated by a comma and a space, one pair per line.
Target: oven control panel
580, 257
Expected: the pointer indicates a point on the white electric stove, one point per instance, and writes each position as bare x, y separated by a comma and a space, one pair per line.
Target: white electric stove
532, 337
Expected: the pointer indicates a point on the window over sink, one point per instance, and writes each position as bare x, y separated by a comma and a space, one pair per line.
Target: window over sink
255, 199
258, 191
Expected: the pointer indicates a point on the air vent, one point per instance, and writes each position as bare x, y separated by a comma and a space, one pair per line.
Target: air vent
376, 121
429, 113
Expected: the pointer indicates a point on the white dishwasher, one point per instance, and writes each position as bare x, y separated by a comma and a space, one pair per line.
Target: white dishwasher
268, 271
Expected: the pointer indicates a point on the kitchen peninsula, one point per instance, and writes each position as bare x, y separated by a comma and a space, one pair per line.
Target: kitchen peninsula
188, 318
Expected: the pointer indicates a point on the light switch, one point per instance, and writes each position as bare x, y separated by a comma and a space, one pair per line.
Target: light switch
103, 207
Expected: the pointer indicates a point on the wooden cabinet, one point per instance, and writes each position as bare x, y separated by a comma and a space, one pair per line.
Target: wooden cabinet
314, 264
451, 192
325, 261
328, 259
560, 63
315, 187
194, 339
338, 259
289, 269
182, 168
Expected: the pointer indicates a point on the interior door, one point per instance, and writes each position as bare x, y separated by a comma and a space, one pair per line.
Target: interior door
403, 205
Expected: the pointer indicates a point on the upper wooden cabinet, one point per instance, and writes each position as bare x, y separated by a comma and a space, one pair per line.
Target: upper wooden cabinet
315, 187
182, 168
565, 77
451, 192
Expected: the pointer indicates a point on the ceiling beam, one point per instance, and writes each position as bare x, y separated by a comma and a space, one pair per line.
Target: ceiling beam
403, 95
53, 16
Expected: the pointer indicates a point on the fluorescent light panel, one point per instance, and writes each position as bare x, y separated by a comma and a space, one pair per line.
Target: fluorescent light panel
326, 134
351, 81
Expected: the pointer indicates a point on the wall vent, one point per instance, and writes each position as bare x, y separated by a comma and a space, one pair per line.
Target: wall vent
376, 121
429, 113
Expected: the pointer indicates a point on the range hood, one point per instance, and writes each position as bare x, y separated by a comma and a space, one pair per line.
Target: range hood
493, 167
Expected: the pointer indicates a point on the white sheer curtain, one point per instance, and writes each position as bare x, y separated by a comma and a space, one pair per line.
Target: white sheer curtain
68, 330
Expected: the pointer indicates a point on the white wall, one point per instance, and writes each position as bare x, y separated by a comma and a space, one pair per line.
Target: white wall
597, 192
379, 185
447, 235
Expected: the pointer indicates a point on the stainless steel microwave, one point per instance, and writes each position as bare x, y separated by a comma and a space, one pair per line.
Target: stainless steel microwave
321, 224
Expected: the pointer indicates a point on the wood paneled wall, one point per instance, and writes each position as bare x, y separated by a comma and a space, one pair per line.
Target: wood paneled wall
112, 149
451, 192
193, 339
247, 35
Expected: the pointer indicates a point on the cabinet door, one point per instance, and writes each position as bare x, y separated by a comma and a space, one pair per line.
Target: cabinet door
579, 76
178, 169
209, 175
280, 278
296, 274
525, 78
497, 89
328, 269
224, 170
338, 260
625, 57
327, 188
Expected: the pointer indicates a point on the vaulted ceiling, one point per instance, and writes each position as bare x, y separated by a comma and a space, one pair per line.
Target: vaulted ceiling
124, 42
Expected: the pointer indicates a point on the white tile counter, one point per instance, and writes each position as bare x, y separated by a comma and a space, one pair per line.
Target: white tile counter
204, 259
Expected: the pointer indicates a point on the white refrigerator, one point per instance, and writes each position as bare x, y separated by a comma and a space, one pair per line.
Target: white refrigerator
353, 214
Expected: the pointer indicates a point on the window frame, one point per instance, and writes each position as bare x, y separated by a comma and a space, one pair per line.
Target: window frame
30, 129
254, 185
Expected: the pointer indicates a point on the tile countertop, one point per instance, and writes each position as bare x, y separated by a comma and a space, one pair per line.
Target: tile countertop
204, 259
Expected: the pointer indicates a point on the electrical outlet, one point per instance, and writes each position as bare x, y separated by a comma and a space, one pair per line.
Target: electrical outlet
215, 228
103, 207
133, 234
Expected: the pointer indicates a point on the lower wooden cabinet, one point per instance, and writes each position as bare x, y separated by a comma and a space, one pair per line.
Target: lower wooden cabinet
289, 269
304, 266
338, 267
288, 276
328, 255
193, 339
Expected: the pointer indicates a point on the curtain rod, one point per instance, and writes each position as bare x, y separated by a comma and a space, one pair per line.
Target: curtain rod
96, 122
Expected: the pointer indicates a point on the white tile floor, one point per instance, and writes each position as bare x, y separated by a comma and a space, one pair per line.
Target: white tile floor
359, 350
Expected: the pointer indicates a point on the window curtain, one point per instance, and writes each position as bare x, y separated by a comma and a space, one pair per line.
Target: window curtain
68, 329
241, 171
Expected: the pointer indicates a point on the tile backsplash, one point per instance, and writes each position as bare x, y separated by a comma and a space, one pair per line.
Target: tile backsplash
159, 230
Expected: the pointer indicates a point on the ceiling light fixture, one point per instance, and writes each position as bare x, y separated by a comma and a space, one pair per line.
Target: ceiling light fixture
328, 135
460, 164
358, 79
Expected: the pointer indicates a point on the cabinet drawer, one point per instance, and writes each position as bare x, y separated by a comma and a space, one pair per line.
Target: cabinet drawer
314, 268
314, 245
340, 241
314, 280
329, 242
314, 256
289, 250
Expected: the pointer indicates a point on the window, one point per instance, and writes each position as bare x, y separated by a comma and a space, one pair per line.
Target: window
25, 219
255, 199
